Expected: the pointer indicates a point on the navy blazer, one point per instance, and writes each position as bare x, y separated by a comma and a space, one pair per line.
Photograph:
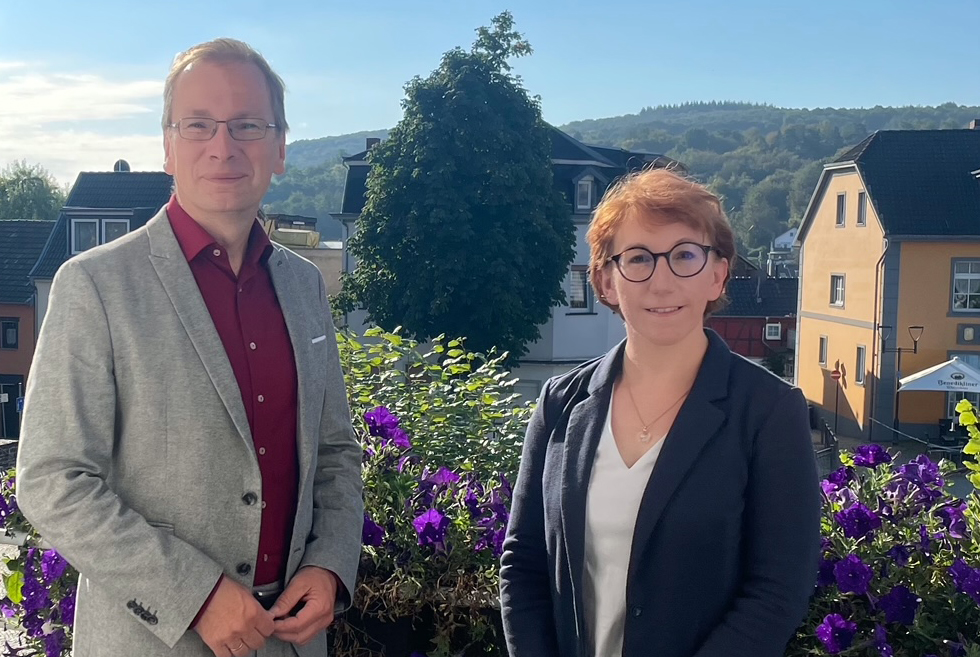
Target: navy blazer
726, 542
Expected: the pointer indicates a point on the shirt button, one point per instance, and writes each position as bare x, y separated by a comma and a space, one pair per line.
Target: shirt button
261, 450
216, 252
261, 398
265, 557
251, 345
637, 612
263, 504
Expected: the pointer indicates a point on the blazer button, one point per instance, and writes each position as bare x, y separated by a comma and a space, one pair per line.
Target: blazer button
250, 498
131, 604
152, 620
637, 612
243, 568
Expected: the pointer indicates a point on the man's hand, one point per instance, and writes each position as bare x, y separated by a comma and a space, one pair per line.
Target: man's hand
316, 588
234, 623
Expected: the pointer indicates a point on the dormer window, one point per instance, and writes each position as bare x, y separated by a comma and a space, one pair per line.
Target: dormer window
583, 194
90, 232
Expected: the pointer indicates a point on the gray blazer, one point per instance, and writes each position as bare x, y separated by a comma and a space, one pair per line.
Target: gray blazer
136, 459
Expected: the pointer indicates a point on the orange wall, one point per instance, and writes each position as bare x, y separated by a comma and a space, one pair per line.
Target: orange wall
853, 251
18, 361
924, 299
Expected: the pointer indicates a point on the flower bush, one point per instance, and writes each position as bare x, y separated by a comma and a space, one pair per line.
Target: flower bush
441, 432
899, 571
40, 585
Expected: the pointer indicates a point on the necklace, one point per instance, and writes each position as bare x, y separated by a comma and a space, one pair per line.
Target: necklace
644, 434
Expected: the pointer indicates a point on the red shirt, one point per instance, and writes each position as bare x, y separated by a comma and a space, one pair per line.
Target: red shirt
250, 323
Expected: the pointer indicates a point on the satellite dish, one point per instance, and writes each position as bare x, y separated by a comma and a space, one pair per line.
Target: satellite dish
121, 166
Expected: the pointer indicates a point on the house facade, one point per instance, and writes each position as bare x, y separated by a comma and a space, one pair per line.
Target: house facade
759, 321
21, 243
101, 206
890, 279
581, 329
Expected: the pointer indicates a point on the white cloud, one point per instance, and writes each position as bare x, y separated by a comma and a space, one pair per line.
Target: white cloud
70, 123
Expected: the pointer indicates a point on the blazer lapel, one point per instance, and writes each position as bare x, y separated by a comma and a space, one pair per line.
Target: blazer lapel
293, 301
178, 281
582, 435
697, 423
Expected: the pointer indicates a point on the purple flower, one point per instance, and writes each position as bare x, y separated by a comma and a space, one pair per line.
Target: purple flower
66, 608
836, 633
900, 605
953, 520
493, 539
842, 476
881, 642
825, 576
397, 437
7, 608
870, 456
922, 472
472, 503
900, 554
53, 566
372, 533
431, 528
443, 476
858, 521
381, 421
54, 643
966, 579
853, 575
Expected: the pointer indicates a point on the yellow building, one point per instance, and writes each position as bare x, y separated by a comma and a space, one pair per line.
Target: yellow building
890, 260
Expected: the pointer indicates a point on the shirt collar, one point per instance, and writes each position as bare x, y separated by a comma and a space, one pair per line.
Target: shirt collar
193, 238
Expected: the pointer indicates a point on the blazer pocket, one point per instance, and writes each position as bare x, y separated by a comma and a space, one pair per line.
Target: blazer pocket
165, 526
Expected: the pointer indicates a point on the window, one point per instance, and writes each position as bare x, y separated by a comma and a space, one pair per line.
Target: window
9, 333
966, 286
841, 208
837, 289
823, 350
88, 233
579, 290
859, 365
84, 234
862, 219
113, 228
774, 331
953, 398
583, 194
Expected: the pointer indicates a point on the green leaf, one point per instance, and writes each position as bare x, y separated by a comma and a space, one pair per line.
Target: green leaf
14, 582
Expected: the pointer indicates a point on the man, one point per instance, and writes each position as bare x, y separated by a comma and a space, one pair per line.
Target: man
187, 443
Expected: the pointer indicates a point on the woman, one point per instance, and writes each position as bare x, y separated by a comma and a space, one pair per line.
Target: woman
667, 503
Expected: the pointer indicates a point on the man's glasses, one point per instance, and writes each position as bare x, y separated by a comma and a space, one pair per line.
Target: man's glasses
202, 129
684, 260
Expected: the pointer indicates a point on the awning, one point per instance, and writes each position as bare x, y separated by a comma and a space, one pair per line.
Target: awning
952, 376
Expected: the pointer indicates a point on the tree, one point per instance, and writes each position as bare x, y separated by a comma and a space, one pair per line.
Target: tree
463, 232
28, 191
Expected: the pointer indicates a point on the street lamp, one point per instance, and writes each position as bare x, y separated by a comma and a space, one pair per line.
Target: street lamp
915, 332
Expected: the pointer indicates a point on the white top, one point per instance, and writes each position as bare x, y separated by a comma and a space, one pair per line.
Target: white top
613, 501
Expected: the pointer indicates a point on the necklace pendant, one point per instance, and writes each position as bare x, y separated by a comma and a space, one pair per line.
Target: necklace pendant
644, 436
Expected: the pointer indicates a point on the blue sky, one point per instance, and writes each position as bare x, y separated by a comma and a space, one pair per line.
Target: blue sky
80, 83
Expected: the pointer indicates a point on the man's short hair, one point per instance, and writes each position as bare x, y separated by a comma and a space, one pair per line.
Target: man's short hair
227, 50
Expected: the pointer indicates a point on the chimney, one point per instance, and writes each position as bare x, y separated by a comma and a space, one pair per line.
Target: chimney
975, 124
372, 142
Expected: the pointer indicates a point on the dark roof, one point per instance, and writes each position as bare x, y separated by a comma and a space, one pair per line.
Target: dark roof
575, 157
141, 192
766, 297
20, 245
920, 181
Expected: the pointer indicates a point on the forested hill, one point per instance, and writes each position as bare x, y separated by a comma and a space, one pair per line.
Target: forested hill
764, 160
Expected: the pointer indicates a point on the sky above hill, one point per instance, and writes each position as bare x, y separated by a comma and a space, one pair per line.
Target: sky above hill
81, 83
